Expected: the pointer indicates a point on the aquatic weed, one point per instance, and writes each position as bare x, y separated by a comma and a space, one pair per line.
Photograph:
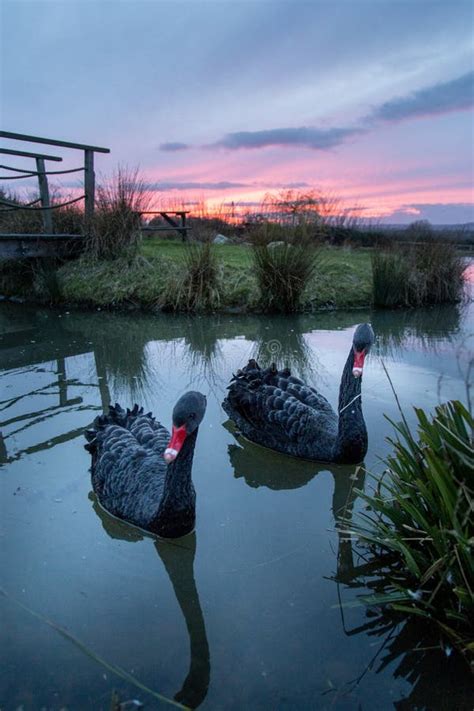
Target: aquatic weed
419, 526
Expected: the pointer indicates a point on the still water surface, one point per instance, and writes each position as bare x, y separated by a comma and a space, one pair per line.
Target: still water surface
242, 614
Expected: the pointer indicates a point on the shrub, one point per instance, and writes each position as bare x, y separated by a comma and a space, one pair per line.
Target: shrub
419, 527
17, 220
32, 278
284, 270
428, 272
66, 220
196, 283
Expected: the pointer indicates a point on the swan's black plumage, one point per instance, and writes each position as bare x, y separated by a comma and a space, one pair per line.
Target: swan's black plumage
274, 409
130, 476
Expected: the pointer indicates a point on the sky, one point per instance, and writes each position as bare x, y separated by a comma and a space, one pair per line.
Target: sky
369, 101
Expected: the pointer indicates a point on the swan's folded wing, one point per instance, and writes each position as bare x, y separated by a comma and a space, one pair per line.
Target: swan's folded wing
150, 434
310, 397
127, 478
280, 413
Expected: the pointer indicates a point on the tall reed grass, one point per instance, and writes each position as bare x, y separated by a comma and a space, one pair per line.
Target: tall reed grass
283, 267
196, 283
429, 272
115, 228
419, 526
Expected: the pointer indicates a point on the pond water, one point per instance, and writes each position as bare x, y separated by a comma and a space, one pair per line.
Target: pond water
244, 613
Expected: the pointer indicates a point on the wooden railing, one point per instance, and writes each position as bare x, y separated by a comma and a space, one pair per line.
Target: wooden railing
28, 244
88, 168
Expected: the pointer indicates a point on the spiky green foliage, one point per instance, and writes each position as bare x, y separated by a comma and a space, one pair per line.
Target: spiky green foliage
419, 527
196, 282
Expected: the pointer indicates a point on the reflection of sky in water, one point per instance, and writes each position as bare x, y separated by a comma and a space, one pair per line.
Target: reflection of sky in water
265, 549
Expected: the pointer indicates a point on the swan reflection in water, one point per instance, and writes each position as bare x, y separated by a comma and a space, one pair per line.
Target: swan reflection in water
265, 467
178, 558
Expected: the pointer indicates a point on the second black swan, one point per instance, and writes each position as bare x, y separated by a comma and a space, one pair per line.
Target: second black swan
276, 410
142, 474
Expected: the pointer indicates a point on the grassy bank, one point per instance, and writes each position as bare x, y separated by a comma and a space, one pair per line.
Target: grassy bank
342, 278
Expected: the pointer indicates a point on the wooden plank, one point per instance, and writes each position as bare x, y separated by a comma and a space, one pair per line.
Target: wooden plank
52, 142
44, 195
163, 229
164, 212
38, 235
25, 154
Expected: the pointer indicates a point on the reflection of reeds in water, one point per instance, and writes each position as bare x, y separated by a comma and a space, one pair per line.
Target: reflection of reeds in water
412, 652
421, 328
289, 349
121, 360
128, 371
203, 353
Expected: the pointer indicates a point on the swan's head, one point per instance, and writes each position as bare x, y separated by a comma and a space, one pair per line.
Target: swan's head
362, 342
187, 416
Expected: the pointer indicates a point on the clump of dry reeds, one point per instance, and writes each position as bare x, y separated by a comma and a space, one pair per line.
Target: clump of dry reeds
115, 227
428, 272
196, 283
283, 266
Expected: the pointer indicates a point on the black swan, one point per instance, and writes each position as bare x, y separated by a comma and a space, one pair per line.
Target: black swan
140, 473
276, 410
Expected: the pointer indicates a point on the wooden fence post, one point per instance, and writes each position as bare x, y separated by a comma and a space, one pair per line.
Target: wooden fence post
89, 185
44, 195
184, 234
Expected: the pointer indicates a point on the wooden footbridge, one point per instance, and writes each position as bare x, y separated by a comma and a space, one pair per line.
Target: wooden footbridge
17, 245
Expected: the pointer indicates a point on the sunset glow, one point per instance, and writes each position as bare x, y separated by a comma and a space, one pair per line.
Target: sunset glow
370, 102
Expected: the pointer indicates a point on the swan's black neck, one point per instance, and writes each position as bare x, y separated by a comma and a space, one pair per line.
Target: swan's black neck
176, 514
351, 443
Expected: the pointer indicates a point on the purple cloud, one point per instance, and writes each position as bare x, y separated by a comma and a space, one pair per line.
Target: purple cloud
315, 138
174, 146
454, 95
221, 185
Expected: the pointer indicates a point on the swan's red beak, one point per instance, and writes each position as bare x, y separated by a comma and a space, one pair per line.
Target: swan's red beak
178, 435
357, 368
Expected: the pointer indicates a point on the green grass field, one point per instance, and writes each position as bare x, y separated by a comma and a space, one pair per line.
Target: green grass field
343, 278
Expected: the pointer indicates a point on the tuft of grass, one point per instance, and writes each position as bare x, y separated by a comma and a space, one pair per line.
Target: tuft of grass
283, 267
419, 527
428, 272
195, 285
